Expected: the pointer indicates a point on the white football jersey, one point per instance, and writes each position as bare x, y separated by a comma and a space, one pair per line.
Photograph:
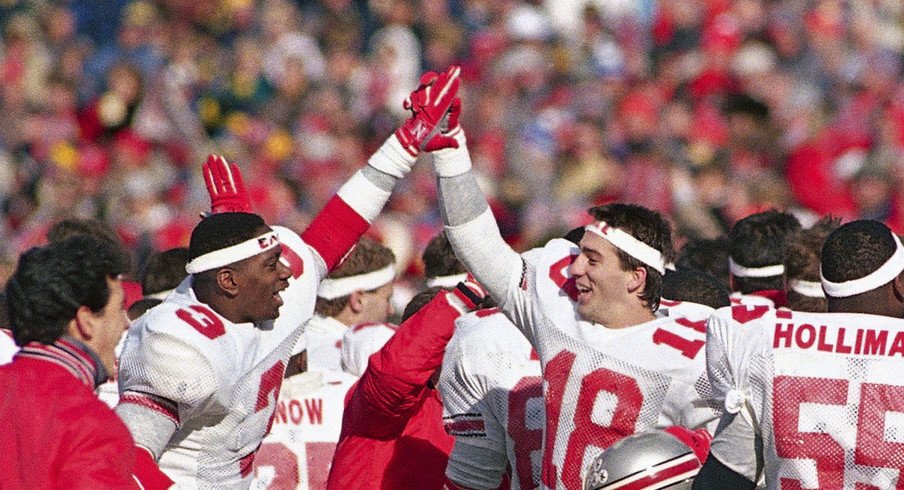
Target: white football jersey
739, 299
298, 451
492, 394
8, 347
217, 380
823, 391
678, 309
324, 336
603, 384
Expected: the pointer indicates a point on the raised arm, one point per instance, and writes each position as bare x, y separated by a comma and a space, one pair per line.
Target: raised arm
470, 225
349, 213
397, 375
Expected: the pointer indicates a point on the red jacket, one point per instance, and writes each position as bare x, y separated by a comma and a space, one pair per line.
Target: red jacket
55, 432
392, 429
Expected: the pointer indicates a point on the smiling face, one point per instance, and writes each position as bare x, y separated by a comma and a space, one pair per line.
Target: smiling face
607, 293
260, 280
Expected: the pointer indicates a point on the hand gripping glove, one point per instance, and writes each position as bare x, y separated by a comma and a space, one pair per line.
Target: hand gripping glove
428, 104
449, 148
225, 186
468, 295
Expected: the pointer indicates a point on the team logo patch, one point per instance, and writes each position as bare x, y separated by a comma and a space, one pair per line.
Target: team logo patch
268, 241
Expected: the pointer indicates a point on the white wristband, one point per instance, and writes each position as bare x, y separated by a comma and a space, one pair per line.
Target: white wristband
391, 158
450, 162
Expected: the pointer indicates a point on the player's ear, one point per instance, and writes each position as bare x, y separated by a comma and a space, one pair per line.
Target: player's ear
227, 280
82, 326
897, 287
637, 280
356, 302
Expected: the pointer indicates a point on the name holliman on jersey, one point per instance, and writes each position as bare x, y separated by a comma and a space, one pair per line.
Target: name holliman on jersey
840, 340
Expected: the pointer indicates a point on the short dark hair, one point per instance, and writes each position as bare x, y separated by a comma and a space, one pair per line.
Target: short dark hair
70, 227
52, 282
647, 226
575, 234
856, 249
439, 258
761, 240
164, 270
695, 287
802, 263
221, 230
367, 256
705, 255
419, 301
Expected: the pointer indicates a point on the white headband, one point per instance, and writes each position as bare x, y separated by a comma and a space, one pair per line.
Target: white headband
810, 289
881, 276
233, 254
446, 281
337, 288
628, 244
766, 271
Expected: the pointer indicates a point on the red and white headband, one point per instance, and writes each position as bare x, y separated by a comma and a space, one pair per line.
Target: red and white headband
446, 281
739, 270
337, 288
233, 254
880, 277
628, 244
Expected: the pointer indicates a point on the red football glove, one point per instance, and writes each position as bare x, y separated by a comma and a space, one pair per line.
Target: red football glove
698, 440
429, 104
445, 138
225, 186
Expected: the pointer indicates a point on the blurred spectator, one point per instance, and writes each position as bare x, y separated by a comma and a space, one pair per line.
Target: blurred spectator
707, 110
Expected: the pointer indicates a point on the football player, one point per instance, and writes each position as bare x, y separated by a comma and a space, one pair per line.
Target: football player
492, 396
611, 365
200, 373
705, 255
756, 250
802, 267
356, 292
441, 267
299, 448
813, 400
686, 292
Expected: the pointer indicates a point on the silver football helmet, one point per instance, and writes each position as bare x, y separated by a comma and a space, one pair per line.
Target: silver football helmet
647, 460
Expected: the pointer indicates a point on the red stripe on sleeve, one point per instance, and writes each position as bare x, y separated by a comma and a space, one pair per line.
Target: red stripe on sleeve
334, 231
158, 404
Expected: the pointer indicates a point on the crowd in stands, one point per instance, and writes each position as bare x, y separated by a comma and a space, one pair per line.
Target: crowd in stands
707, 110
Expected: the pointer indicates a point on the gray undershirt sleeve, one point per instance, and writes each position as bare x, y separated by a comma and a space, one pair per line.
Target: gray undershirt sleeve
382, 180
461, 199
149, 428
474, 235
